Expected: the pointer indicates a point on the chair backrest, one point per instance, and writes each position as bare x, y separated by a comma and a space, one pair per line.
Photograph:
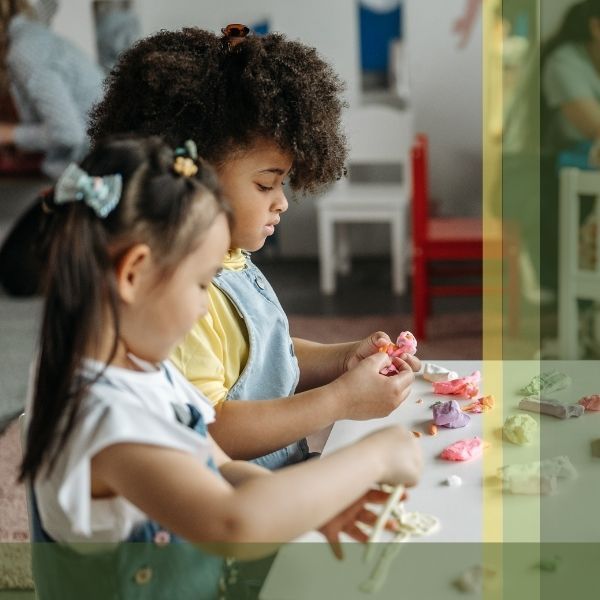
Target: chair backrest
579, 207
420, 189
380, 135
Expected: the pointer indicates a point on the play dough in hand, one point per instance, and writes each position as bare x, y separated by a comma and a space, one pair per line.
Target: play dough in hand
406, 343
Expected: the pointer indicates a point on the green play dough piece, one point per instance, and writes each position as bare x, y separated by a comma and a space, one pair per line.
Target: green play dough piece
520, 429
596, 448
545, 383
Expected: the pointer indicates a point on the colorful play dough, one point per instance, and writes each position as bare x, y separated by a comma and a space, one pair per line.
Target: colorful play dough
463, 450
559, 466
483, 404
448, 414
467, 387
418, 524
520, 429
434, 373
406, 343
546, 383
554, 408
591, 402
475, 580
538, 477
453, 481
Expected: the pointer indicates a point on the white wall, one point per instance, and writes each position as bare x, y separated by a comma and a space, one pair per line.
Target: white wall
328, 25
446, 100
73, 20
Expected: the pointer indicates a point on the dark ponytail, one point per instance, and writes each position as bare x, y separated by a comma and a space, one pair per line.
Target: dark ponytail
575, 27
157, 206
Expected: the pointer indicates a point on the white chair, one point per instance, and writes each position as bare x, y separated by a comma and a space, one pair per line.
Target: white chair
577, 281
377, 135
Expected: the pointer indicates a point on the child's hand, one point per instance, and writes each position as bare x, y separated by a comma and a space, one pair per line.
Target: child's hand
401, 455
370, 345
347, 519
364, 393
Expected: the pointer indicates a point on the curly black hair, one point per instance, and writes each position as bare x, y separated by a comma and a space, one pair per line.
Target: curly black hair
190, 84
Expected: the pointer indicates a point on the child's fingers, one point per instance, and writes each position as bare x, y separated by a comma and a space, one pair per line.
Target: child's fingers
379, 339
412, 361
379, 496
370, 518
354, 532
366, 516
376, 496
378, 361
401, 364
335, 545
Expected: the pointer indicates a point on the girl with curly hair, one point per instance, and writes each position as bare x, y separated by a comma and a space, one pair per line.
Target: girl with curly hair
263, 110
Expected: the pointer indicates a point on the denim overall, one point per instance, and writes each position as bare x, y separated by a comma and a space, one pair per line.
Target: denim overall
151, 564
272, 367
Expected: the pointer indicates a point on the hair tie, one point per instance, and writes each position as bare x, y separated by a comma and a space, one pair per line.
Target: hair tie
234, 34
185, 159
101, 194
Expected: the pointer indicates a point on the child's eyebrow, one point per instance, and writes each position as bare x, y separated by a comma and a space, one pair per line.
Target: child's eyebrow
274, 170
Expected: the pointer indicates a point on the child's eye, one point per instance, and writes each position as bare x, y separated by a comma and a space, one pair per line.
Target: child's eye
263, 188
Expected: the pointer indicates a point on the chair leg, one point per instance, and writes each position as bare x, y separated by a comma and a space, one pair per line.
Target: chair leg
326, 254
419, 296
514, 290
343, 264
398, 243
568, 330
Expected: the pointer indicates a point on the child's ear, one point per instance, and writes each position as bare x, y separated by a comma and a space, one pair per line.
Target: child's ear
132, 272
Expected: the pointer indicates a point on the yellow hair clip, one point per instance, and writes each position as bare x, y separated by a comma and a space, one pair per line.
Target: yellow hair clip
185, 166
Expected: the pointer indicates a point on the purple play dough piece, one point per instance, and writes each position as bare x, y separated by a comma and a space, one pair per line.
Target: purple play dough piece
448, 414
551, 407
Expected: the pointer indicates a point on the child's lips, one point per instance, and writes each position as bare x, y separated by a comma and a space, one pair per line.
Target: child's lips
270, 227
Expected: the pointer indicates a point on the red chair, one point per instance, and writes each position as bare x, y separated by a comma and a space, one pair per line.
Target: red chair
452, 240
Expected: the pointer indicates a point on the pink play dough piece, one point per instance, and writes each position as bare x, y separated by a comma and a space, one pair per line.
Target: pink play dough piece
405, 344
591, 402
467, 387
463, 450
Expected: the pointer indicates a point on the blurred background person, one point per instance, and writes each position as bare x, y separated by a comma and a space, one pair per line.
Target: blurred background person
117, 27
571, 78
52, 85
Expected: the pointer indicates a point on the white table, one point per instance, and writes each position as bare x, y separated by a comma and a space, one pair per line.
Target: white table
306, 570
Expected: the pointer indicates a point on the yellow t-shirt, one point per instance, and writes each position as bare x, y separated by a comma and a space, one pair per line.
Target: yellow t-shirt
214, 353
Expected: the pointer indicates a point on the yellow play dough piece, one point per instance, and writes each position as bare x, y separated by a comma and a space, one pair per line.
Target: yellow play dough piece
520, 429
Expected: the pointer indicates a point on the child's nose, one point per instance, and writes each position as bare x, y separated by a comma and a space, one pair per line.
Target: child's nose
281, 203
